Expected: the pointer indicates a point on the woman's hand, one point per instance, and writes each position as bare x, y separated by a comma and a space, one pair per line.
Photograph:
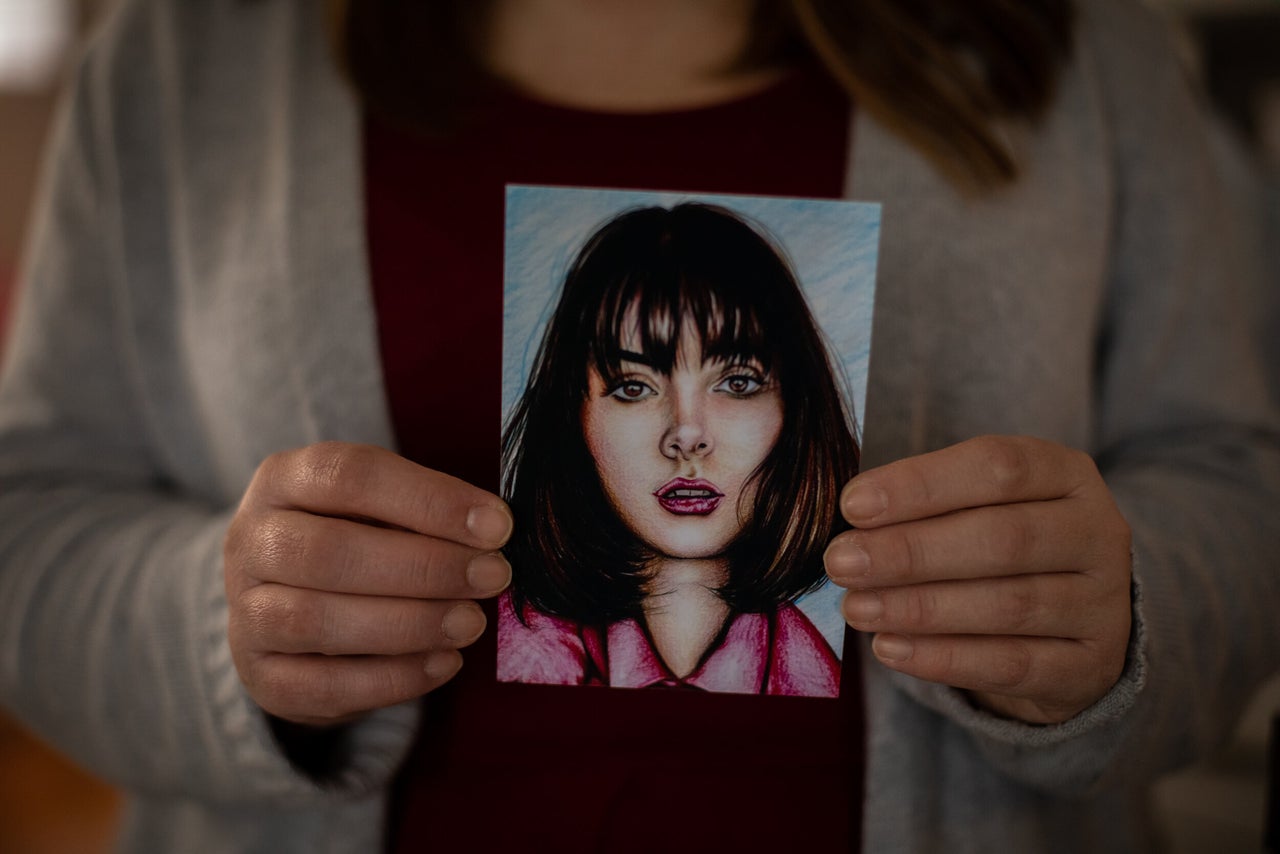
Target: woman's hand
350, 573
999, 566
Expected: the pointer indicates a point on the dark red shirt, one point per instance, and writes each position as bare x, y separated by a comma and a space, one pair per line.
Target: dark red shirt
502, 765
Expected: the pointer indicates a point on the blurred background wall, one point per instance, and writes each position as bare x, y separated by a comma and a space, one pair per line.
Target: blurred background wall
38, 39
49, 805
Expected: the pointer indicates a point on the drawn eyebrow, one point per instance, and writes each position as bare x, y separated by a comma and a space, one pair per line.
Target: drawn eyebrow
638, 358
650, 362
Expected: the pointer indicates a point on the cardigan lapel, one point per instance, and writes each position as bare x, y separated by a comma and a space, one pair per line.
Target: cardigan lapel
333, 326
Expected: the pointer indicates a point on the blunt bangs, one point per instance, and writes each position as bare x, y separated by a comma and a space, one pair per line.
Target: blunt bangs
649, 318
693, 264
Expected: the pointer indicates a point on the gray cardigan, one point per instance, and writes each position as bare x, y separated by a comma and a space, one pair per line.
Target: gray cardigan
196, 298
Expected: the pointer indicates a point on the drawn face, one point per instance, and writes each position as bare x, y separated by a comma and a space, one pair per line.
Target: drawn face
675, 452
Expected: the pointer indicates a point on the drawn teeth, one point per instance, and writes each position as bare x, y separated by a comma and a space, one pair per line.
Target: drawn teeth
690, 493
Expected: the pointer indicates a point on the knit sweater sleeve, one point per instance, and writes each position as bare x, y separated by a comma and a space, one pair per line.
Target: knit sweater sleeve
1187, 435
112, 610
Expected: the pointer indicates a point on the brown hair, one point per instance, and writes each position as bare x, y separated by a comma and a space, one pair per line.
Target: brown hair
939, 73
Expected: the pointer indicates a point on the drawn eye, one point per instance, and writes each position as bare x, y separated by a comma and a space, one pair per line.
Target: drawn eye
630, 391
739, 385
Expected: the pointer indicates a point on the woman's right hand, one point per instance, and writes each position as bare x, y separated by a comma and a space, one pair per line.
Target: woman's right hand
351, 574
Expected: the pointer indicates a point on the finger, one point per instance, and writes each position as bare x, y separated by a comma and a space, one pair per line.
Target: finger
280, 619
1007, 539
981, 471
1060, 677
319, 690
369, 483
342, 556
1061, 605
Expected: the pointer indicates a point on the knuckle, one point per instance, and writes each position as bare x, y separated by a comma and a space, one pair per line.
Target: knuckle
919, 484
293, 548
254, 542
276, 549
395, 684
273, 477
347, 567
904, 485
433, 502
236, 547
1006, 461
1010, 667
281, 691
330, 694
317, 694
1082, 470
894, 552
284, 619
337, 469
1084, 463
329, 559
429, 566
283, 688
1022, 611
238, 530
906, 554
943, 662
405, 629
277, 462
294, 690
918, 608
249, 612
267, 473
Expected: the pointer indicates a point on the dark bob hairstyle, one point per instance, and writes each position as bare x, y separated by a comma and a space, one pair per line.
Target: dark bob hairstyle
658, 269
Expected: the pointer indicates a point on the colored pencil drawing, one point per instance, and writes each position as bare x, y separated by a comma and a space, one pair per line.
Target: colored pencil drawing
677, 428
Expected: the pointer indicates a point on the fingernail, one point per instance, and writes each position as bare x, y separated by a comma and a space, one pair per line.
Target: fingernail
442, 664
463, 623
488, 574
894, 648
489, 524
863, 607
863, 502
846, 561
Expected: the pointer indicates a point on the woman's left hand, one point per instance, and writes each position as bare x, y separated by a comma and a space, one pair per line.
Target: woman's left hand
999, 566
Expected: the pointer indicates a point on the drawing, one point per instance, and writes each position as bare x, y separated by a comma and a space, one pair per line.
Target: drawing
677, 431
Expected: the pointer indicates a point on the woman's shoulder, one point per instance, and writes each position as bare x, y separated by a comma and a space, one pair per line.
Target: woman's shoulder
215, 59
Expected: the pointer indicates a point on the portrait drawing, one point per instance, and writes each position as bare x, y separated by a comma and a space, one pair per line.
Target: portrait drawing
683, 384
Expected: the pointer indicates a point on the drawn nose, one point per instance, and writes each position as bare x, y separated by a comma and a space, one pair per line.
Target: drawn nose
687, 437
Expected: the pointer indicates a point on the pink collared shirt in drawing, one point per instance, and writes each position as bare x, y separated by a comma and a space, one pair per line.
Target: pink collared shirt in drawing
780, 654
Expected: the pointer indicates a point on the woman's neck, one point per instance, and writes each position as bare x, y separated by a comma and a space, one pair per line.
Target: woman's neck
624, 55
682, 611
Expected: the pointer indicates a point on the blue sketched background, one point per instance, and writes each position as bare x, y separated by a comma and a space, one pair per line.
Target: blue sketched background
831, 246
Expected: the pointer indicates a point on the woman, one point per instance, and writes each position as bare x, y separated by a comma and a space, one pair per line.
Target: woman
673, 467
219, 583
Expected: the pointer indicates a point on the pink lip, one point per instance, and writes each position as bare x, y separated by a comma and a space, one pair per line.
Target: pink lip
685, 497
